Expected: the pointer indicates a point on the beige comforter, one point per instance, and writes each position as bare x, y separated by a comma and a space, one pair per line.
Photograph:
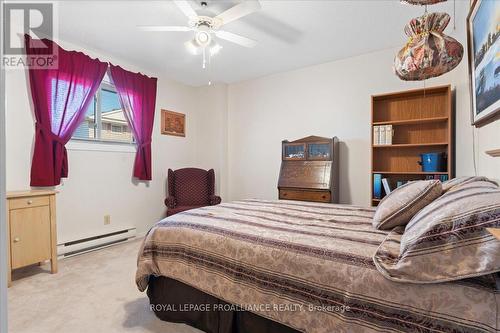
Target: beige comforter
308, 266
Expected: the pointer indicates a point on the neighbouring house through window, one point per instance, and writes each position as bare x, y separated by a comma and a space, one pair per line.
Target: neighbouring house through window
104, 119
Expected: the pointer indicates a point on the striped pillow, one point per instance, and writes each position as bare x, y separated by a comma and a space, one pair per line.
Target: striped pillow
449, 184
447, 240
400, 205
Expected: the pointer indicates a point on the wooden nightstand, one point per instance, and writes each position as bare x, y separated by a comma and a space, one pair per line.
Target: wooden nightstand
31, 223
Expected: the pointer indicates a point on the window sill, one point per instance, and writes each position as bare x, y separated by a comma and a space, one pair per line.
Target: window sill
104, 146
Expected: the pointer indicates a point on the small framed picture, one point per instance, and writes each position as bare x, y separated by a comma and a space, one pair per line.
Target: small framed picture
483, 37
173, 123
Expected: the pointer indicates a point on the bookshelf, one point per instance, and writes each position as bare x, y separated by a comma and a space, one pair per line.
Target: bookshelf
422, 121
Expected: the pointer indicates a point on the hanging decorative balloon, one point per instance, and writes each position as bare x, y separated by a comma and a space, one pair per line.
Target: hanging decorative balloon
421, 2
429, 52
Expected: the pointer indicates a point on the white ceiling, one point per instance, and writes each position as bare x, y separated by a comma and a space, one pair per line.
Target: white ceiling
290, 34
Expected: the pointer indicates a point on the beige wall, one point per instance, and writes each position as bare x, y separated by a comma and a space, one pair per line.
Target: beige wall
333, 99
211, 147
100, 182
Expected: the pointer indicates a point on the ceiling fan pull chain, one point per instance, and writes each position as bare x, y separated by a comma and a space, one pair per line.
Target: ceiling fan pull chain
204, 59
209, 68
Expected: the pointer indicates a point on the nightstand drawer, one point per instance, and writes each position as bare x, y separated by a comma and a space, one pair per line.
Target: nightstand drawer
28, 202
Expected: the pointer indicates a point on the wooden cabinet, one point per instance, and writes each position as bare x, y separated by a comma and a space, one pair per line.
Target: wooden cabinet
31, 222
309, 170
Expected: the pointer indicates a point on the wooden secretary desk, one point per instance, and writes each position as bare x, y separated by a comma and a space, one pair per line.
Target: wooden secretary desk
309, 170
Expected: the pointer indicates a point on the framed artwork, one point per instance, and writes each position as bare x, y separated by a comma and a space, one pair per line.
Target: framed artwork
483, 39
173, 123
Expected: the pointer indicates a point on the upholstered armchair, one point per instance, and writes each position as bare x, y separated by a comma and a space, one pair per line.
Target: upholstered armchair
190, 188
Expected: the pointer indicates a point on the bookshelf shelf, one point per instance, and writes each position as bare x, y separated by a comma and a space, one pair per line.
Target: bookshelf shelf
422, 122
409, 173
409, 145
412, 121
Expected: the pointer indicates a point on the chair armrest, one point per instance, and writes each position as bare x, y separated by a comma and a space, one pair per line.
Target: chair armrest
170, 202
215, 200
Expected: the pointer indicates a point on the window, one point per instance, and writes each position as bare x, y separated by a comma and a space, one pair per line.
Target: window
104, 119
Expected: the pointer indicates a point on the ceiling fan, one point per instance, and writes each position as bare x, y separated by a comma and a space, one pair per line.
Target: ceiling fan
207, 28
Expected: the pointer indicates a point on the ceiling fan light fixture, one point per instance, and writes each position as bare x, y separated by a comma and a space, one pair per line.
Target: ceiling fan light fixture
203, 38
192, 47
215, 49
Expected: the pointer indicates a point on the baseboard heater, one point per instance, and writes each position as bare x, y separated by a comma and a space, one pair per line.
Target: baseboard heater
93, 243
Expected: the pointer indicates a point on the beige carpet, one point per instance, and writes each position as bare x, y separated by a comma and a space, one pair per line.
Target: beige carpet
93, 292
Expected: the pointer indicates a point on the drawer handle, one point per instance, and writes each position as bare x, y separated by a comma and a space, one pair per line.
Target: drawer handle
17, 240
284, 194
30, 202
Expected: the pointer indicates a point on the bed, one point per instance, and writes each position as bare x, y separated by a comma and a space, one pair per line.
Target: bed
288, 266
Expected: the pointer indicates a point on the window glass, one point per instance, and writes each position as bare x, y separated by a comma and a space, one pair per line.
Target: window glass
87, 129
104, 119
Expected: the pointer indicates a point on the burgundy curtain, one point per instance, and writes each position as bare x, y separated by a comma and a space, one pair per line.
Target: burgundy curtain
60, 98
138, 98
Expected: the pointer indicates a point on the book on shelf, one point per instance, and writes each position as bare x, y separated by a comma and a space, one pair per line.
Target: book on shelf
377, 186
382, 135
381, 139
388, 135
387, 188
376, 135
442, 178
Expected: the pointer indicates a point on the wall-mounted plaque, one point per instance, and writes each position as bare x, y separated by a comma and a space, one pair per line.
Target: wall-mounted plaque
173, 123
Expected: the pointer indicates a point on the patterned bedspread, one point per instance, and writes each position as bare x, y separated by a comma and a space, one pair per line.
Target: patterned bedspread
308, 266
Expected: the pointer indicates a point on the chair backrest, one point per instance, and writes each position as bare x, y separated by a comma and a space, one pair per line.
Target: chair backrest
191, 186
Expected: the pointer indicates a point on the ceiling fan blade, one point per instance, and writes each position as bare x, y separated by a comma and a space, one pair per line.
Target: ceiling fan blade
164, 28
234, 38
186, 8
243, 9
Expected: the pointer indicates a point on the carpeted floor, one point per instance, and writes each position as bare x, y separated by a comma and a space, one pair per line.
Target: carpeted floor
92, 293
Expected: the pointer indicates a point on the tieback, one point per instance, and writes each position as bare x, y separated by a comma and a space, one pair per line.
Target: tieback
144, 144
47, 131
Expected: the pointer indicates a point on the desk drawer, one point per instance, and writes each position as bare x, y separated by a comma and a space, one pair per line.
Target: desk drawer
305, 195
28, 202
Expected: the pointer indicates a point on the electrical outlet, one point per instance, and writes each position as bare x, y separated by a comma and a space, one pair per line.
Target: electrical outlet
107, 219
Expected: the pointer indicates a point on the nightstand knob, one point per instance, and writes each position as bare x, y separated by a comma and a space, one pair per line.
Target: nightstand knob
30, 202
17, 239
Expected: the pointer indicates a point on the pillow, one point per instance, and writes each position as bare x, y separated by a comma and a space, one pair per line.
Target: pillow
447, 240
475, 183
399, 206
449, 184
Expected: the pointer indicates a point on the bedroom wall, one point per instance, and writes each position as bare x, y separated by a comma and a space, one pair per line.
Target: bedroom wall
211, 139
100, 182
333, 99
